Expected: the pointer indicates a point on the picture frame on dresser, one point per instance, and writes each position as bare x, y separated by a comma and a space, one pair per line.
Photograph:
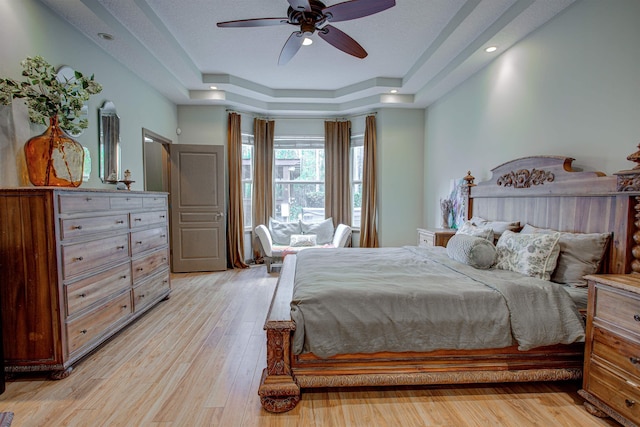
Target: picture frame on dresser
76, 267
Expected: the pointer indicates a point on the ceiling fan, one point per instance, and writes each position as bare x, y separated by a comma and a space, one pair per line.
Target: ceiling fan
311, 16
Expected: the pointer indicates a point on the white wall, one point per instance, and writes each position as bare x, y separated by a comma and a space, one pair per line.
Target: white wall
28, 28
572, 88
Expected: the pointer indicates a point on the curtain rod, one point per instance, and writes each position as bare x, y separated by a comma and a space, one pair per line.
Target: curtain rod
266, 117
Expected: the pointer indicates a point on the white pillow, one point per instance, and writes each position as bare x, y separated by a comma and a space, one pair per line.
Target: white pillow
534, 255
498, 226
470, 229
281, 231
323, 230
471, 250
301, 240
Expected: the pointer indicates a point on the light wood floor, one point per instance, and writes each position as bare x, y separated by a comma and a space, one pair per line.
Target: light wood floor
196, 359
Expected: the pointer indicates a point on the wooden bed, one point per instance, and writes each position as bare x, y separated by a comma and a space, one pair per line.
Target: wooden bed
542, 191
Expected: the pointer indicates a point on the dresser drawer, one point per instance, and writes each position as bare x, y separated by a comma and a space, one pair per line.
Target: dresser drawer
82, 294
150, 290
622, 310
125, 202
142, 219
77, 227
154, 202
144, 240
82, 257
621, 395
147, 265
69, 203
85, 329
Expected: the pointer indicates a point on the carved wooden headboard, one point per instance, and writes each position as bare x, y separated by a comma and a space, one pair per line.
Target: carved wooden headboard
546, 192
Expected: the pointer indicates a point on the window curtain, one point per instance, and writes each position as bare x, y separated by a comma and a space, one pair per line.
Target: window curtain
235, 214
262, 203
369, 213
337, 148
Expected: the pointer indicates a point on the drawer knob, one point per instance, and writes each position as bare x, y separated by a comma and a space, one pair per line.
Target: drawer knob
141, 295
123, 277
629, 403
162, 216
139, 242
120, 222
82, 295
137, 219
163, 235
636, 317
139, 269
125, 306
88, 199
79, 258
120, 247
77, 227
84, 331
634, 360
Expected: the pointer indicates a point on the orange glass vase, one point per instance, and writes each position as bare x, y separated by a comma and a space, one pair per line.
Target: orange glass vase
54, 158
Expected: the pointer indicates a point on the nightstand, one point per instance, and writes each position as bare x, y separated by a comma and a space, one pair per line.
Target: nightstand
611, 379
434, 236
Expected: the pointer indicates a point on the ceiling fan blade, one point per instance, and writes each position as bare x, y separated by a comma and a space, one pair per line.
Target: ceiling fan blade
300, 5
258, 22
291, 47
356, 9
342, 41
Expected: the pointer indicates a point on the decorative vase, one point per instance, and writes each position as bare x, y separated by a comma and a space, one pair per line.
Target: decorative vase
54, 158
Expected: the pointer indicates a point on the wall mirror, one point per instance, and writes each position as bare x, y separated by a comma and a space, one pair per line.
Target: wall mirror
109, 143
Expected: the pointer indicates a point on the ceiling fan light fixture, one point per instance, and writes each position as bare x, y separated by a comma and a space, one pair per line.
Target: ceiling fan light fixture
307, 41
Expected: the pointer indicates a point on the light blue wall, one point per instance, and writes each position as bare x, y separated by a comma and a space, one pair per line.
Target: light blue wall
28, 28
571, 88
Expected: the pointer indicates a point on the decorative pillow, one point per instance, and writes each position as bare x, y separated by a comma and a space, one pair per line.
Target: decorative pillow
300, 240
474, 230
323, 230
281, 231
498, 226
471, 250
580, 254
534, 255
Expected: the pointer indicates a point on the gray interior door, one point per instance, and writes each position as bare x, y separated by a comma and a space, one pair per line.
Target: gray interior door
198, 225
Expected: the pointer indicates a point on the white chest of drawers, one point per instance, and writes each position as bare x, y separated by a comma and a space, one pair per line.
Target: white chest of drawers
76, 266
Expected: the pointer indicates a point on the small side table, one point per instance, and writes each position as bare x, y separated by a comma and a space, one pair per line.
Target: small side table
434, 236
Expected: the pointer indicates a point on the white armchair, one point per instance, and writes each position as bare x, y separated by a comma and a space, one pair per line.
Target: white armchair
273, 253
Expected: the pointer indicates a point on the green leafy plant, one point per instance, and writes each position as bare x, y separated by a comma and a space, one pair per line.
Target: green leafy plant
47, 96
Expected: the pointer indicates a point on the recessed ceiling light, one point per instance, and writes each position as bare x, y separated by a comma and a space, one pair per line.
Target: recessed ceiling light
213, 87
105, 36
307, 41
393, 91
491, 49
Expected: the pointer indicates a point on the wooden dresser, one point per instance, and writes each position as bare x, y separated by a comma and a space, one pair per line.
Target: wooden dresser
76, 266
611, 382
434, 236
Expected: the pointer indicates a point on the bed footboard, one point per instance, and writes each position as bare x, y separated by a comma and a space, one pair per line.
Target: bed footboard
279, 391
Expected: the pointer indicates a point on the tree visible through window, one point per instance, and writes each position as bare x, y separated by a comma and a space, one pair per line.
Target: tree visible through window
247, 178
299, 179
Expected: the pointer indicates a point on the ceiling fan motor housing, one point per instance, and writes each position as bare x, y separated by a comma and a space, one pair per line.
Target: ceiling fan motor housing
308, 21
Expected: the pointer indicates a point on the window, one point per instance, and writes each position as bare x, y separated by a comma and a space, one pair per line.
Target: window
299, 178
247, 179
357, 164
